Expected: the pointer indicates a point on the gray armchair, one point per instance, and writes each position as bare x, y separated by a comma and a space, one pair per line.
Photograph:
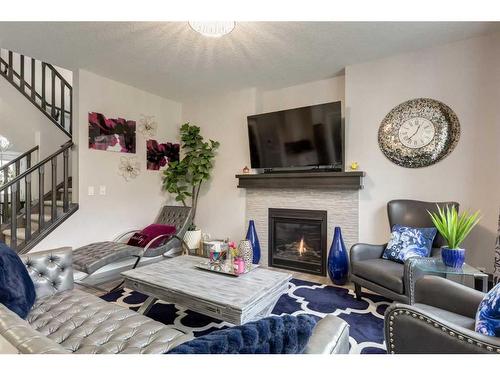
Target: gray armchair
441, 321
390, 279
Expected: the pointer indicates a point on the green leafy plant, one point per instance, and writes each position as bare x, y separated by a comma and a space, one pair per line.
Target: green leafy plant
185, 177
452, 226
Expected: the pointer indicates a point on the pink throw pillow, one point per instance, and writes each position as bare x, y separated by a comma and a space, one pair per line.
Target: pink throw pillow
149, 233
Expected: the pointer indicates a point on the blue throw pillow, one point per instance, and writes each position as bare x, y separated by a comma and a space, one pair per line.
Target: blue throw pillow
286, 334
17, 291
407, 242
488, 313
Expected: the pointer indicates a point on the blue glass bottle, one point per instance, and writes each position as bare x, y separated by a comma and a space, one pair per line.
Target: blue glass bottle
338, 263
254, 240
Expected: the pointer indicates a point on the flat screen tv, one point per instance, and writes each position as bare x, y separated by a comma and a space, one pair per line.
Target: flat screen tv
299, 138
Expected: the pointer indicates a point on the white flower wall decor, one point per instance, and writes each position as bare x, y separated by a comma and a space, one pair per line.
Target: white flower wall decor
147, 126
129, 168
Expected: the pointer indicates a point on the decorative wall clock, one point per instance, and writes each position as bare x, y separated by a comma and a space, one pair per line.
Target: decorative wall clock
419, 133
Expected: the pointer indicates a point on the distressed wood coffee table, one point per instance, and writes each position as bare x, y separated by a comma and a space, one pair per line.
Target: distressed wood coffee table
235, 300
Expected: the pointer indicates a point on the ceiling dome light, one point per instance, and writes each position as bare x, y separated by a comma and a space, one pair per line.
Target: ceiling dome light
212, 29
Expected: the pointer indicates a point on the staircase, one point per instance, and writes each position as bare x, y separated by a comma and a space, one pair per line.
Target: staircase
42, 85
35, 198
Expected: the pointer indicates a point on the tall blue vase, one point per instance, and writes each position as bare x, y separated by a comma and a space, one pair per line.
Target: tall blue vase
254, 240
338, 263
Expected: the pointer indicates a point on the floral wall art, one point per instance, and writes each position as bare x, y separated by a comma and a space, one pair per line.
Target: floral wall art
109, 134
160, 154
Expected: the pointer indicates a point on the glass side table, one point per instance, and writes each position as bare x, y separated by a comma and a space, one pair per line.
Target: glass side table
467, 275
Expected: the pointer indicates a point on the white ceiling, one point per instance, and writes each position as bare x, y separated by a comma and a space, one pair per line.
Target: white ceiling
171, 60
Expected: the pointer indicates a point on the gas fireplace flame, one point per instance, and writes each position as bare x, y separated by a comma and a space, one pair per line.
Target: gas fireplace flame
302, 247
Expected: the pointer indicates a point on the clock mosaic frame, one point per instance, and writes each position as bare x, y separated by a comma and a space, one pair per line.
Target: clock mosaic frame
418, 133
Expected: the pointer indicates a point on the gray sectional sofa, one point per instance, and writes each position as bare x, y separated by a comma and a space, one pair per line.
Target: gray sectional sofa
68, 320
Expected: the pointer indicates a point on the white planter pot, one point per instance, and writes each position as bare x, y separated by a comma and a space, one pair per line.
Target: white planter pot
192, 239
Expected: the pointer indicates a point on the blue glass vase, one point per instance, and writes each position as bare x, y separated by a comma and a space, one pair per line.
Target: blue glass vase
254, 240
338, 263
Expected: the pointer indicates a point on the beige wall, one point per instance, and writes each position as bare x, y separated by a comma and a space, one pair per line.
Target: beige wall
465, 76
310, 93
221, 209
126, 205
24, 125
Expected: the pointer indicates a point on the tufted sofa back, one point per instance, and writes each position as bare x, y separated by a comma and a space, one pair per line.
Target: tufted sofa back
50, 270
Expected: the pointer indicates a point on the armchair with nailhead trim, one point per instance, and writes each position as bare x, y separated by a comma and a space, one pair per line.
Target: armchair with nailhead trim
441, 321
390, 279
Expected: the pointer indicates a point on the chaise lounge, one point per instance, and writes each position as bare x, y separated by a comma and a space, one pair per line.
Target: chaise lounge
101, 262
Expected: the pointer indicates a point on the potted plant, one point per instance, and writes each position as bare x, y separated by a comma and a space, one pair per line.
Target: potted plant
454, 228
185, 177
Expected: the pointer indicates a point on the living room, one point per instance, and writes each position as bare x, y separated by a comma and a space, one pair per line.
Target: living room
250, 187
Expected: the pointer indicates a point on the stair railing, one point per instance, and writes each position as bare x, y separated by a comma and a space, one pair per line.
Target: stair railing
17, 162
49, 81
12, 211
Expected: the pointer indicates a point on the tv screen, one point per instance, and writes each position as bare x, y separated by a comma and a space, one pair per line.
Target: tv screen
297, 138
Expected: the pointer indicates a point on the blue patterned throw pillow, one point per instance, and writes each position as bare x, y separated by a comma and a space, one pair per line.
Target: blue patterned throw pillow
488, 313
407, 242
17, 291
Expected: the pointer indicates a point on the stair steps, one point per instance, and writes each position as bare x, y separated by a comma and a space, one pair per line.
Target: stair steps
34, 218
49, 203
47, 217
21, 231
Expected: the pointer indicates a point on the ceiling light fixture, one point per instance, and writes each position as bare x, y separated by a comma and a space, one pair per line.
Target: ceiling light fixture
212, 29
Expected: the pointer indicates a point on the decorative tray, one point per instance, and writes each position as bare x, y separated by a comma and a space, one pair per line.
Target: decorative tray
222, 267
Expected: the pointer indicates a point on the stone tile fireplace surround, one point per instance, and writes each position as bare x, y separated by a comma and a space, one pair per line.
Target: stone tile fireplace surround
342, 206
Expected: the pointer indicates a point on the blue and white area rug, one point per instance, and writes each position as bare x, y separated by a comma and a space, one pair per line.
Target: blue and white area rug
365, 317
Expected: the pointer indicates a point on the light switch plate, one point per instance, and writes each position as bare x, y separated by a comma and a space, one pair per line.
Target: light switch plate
91, 190
102, 190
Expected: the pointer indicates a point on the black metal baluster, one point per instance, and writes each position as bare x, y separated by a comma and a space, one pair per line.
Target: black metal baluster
5, 205
62, 112
21, 61
11, 67
33, 91
17, 197
41, 203
27, 208
13, 218
65, 180
53, 94
54, 189
44, 101
70, 109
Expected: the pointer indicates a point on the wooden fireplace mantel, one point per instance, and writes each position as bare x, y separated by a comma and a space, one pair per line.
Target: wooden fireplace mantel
302, 180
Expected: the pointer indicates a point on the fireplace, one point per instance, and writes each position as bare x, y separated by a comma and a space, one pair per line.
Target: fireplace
297, 240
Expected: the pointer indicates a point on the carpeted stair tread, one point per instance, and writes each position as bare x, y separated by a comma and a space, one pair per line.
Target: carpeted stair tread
21, 232
46, 217
49, 203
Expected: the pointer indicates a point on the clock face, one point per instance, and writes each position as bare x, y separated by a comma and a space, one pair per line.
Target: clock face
416, 132
419, 133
